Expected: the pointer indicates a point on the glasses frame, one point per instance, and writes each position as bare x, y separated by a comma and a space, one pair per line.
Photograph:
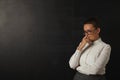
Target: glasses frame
89, 32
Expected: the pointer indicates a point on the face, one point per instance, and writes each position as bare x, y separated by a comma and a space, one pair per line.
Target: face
91, 32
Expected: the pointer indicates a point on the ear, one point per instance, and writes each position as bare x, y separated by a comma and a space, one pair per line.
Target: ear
98, 30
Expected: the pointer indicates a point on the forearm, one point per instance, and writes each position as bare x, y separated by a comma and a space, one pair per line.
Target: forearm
74, 60
87, 69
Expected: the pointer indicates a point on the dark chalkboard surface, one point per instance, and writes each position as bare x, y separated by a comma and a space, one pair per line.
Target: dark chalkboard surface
37, 37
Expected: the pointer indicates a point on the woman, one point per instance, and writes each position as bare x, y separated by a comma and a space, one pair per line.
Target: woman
92, 54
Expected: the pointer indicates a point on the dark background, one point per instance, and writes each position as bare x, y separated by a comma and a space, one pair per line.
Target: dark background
37, 37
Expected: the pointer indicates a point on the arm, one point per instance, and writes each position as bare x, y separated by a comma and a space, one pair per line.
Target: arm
74, 60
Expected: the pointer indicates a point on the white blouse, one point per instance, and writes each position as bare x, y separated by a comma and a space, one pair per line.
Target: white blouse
91, 60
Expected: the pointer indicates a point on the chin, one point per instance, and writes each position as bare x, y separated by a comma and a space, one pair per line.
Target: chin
92, 40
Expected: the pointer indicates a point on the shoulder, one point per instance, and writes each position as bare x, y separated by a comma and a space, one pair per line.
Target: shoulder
105, 45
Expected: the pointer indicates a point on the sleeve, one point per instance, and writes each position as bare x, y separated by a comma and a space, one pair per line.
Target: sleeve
100, 63
74, 60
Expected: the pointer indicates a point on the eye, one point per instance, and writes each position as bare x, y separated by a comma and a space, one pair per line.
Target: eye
88, 31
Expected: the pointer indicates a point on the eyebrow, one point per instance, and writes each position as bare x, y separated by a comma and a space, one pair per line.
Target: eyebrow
89, 30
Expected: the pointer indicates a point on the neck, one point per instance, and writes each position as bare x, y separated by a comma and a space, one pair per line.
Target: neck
97, 37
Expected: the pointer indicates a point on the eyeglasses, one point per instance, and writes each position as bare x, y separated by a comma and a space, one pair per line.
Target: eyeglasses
89, 32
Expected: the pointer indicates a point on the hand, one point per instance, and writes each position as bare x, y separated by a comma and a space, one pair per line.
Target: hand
83, 42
